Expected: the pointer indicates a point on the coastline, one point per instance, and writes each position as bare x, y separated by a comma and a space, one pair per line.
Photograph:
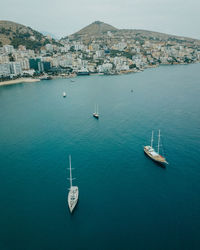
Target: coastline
122, 72
20, 80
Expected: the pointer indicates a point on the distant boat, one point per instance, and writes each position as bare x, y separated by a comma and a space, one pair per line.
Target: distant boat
45, 77
73, 191
83, 72
96, 113
150, 151
64, 94
72, 80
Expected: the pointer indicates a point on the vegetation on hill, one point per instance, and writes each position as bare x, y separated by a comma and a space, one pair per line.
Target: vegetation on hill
17, 34
95, 28
98, 30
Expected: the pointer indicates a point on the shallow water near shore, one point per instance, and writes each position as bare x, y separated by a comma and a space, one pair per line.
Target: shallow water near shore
126, 200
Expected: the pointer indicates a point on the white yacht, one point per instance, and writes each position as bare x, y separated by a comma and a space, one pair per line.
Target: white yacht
83, 72
96, 113
64, 94
73, 191
150, 151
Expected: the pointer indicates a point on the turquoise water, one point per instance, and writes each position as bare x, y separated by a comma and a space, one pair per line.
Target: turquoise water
126, 200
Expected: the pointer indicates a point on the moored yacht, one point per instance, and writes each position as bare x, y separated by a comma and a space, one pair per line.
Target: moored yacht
96, 113
83, 72
45, 77
73, 191
151, 152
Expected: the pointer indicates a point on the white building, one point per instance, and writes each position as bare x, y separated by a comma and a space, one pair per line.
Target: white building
25, 64
8, 49
78, 46
66, 48
120, 46
15, 68
99, 53
49, 47
4, 59
29, 72
106, 67
5, 69
117, 60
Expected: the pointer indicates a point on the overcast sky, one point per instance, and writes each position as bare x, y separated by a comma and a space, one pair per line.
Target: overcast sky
64, 17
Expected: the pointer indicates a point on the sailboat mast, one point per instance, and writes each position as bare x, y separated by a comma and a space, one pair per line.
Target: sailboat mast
152, 139
97, 108
70, 169
158, 140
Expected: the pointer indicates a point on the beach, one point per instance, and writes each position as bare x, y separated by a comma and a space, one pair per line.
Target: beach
19, 80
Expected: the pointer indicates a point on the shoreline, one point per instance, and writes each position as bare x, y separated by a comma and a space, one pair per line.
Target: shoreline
130, 71
20, 80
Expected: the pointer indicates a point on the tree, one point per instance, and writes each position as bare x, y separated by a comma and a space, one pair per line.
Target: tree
132, 66
11, 58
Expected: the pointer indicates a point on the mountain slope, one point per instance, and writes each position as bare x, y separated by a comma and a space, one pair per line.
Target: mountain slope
99, 29
18, 34
96, 29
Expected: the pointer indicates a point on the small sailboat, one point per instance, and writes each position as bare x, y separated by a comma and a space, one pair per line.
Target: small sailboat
64, 94
96, 113
150, 151
73, 191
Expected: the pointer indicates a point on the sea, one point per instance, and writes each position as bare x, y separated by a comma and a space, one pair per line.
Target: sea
126, 201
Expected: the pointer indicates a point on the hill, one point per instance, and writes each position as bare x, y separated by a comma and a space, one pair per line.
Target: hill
17, 34
99, 29
94, 29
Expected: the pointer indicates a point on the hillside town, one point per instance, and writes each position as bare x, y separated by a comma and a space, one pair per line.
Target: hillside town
106, 55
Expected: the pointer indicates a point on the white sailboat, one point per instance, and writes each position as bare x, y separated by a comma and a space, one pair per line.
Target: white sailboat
73, 191
96, 113
64, 94
151, 152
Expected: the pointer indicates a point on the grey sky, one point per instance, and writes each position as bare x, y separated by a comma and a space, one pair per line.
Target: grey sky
64, 17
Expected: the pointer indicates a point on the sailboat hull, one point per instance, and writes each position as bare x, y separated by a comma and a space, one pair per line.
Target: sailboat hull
73, 198
96, 113
96, 116
157, 158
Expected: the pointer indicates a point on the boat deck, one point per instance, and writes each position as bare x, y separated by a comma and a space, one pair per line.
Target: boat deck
156, 157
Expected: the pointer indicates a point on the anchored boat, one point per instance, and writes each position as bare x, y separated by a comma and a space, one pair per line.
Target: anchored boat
73, 191
151, 152
96, 113
83, 72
